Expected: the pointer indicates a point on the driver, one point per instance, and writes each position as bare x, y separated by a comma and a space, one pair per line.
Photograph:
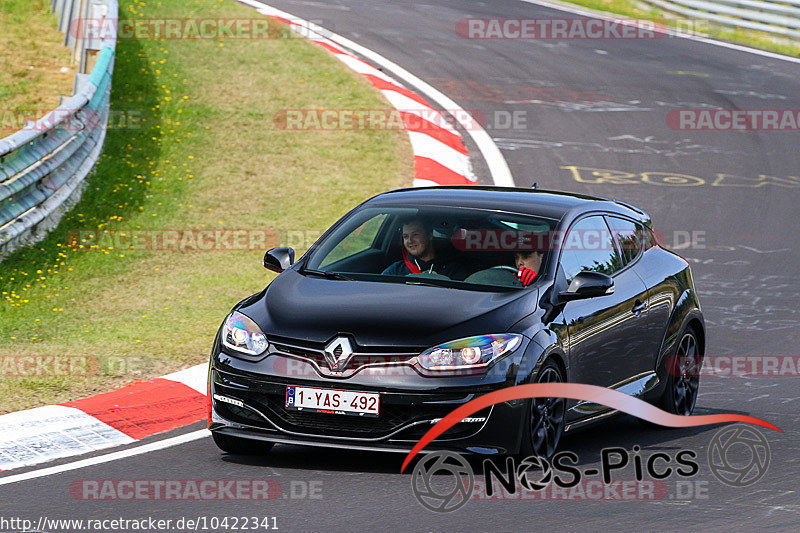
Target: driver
419, 254
528, 265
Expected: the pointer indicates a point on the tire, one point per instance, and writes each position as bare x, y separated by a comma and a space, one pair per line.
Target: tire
544, 418
240, 446
683, 378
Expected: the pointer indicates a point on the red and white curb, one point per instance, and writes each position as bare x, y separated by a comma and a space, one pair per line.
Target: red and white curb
440, 157
118, 417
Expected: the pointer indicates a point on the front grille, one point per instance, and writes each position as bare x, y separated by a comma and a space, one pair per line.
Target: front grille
293, 350
362, 355
393, 416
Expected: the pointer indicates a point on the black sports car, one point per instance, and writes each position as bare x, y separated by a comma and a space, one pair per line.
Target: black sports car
420, 300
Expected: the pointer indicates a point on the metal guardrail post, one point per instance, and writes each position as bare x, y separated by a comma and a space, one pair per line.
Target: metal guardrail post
67, 16
63, 14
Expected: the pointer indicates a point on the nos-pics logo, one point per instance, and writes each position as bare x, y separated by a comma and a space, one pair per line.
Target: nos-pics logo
444, 481
442, 493
738, 456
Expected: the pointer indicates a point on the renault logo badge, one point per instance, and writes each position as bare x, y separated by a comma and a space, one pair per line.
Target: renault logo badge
338, 353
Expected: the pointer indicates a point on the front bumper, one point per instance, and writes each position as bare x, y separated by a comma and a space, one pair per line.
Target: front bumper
409, 408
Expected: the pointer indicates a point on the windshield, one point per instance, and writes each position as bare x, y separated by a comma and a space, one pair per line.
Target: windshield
446, 246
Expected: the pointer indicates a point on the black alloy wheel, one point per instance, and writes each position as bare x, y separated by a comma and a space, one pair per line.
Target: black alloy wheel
683, 379
545, 421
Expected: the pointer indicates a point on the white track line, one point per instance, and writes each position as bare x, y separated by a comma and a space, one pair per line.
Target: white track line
604, 15
100, 459
501, 174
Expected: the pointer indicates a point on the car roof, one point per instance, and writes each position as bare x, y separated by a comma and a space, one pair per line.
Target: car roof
551, 204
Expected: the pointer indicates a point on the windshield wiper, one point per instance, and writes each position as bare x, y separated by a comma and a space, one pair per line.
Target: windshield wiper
460, 285
328, 275
426, 283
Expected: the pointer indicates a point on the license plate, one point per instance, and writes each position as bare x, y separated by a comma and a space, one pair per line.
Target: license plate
339, 402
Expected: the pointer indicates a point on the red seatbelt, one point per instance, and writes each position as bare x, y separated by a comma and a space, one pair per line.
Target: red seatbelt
411, 266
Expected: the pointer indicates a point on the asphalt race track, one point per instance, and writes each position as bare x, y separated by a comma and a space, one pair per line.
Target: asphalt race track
588, 116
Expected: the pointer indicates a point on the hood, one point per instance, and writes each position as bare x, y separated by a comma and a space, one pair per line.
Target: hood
316, 309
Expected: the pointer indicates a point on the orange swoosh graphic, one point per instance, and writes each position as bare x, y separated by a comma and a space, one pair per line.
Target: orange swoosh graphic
577, 391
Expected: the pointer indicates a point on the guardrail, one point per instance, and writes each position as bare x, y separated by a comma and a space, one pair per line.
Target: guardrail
776, 17
43, 166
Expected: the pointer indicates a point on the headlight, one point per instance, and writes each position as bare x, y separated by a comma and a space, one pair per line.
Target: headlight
469, 353
242, 334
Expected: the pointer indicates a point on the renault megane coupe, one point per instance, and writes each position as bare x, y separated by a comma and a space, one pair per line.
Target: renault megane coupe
419, 300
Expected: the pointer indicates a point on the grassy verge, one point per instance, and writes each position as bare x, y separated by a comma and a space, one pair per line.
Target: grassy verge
34, 63
756, 39
197, 149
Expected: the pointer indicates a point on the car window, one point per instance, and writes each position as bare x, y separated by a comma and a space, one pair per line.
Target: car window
457, 247
588, 245
357, 241
629, 235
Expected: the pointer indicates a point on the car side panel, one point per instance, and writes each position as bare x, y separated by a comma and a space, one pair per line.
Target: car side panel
686, 309
659, 269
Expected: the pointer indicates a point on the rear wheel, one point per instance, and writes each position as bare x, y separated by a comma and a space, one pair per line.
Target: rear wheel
240, 446
683, 376
545, 417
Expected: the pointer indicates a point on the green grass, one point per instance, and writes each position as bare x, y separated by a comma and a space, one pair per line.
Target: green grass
34, 63
756, 39
199, 151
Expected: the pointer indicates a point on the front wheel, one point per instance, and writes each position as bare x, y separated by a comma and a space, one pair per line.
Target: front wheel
240, 446
544, 423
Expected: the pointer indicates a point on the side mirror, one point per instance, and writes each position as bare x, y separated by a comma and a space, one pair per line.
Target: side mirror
588, 284
279, 259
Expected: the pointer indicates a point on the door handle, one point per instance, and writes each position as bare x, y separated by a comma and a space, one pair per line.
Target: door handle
638, 307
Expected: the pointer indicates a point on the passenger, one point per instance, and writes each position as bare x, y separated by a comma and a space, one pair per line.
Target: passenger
419, 254
528, 265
